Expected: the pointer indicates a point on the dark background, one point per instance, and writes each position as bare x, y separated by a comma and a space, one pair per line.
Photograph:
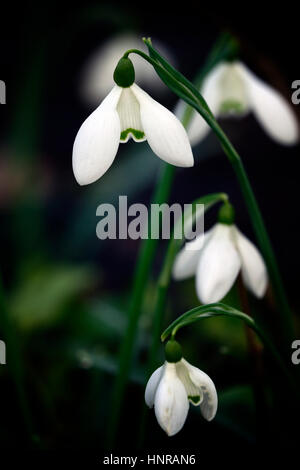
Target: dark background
48, 222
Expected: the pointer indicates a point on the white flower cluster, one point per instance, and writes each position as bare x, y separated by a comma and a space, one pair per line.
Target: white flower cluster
128, 112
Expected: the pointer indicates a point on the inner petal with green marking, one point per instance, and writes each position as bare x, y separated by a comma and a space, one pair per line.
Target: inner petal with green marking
234, 98
196, 400
194, 393
232, 107
130, 118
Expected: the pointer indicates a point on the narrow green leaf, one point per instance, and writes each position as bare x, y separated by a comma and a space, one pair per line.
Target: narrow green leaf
176, 75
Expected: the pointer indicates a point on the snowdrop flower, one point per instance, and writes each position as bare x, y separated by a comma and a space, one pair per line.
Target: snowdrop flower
97, 72
231, 89
127, 112
216, 262
174, 385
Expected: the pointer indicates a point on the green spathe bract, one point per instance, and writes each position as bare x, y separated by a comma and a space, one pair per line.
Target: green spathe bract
124, 74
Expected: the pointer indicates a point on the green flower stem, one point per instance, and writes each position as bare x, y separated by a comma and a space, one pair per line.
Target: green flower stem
14, 364
142, 270
255, 354
262, 236
162, 291
219, 309
159, 311
166, 273
188, 92
143, 267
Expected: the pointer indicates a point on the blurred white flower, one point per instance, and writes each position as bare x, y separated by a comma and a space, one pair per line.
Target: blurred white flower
231, 89
216, 264
170, 389
98, 71
128, 113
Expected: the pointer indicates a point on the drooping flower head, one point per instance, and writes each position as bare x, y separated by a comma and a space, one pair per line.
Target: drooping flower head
127, 112
216, 262
174, 385
231, 89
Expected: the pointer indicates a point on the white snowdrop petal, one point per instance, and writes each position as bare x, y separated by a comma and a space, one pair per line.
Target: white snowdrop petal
164, 132
186, 261
202, 381
171, 403
130, 118
152, 386
254, 271
234, 96
210, 90
193, 391
97, 141
197, 128
271, 109
218, 266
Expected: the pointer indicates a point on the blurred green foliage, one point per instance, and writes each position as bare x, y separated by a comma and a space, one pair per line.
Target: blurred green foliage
46, 293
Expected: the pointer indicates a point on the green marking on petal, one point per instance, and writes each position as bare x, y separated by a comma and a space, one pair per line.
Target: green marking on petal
232, 106
139, 135
196, 400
